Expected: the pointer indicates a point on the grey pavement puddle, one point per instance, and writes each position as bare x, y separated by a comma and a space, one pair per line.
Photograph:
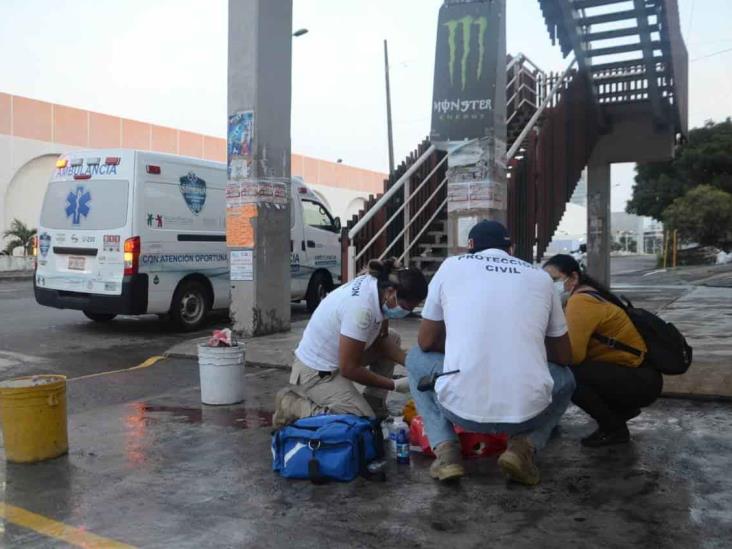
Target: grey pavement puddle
242, 418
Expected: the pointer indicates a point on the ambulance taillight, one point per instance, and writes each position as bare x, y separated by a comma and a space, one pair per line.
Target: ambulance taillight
132, 255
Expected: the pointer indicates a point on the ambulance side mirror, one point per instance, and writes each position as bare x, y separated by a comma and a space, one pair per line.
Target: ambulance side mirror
337, 224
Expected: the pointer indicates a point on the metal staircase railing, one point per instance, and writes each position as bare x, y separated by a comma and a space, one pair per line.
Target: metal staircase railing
543, 178
415, 196
393, 223
414, 200
424, 199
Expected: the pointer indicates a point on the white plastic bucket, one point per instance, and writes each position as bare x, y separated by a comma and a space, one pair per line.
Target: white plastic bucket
222, 374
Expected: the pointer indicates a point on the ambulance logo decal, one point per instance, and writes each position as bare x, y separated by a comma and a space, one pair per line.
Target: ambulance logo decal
77, 204
193, 189
44, 243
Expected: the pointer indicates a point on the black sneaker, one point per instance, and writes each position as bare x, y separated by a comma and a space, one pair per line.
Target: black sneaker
607, 438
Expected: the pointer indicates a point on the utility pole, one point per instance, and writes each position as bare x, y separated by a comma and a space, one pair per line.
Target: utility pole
257, 206
388, 109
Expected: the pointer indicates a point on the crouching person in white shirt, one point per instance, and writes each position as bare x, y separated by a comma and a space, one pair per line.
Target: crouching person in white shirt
496, 321
347, 341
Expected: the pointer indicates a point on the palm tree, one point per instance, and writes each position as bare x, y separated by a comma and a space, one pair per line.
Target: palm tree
21, 235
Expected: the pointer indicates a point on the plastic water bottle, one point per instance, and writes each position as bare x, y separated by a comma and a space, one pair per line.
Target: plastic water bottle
396, 425
402, 448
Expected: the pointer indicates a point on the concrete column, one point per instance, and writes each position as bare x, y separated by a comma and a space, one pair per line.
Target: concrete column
598, 221
260, 62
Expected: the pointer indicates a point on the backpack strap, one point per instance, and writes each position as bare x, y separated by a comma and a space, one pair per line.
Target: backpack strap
615, 344
594, 294
610, 341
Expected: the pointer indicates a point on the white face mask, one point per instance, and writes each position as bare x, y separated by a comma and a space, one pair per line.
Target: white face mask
562, 292
394, 313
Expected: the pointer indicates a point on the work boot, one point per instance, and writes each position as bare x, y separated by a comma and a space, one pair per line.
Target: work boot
448, 464
518, 461
291, 406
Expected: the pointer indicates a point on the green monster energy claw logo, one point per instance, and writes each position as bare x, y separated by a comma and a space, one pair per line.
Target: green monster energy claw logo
466, 23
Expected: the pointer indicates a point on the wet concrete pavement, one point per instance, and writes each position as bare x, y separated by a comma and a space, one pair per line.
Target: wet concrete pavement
36, 339
150, 466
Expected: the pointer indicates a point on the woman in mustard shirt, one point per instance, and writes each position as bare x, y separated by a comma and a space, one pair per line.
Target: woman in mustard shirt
612, 384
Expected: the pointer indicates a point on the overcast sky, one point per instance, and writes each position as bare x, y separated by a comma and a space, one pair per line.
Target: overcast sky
165, 61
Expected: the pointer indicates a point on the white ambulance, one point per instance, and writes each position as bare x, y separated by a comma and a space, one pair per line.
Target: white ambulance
127, 232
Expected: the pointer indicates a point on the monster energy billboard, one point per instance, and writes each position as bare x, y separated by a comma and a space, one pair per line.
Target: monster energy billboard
468, 35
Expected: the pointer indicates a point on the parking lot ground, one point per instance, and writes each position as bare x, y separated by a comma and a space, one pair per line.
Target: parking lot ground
149, 466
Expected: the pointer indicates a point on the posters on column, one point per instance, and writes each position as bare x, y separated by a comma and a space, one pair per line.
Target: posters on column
464, 226
240, 226
244, 187
481, 194
240, 144
263, 191
476, 177
241, 264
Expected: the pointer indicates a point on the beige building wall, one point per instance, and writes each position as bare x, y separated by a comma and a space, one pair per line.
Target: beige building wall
33, 133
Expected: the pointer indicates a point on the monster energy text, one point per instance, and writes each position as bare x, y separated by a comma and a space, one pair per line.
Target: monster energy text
462, 106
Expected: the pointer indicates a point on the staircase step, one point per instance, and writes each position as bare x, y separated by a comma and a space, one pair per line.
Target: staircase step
427, 259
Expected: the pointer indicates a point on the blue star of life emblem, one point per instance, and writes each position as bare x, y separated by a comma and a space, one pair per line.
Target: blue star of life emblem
77, 204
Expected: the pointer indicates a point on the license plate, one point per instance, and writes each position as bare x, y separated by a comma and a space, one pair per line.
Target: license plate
77, 263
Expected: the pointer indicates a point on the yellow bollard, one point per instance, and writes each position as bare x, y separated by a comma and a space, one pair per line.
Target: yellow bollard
33, 413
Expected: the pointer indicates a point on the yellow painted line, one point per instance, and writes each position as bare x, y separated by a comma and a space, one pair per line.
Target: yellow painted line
57, 530
146, 364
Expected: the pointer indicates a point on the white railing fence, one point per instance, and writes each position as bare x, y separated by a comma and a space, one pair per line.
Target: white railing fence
410, 208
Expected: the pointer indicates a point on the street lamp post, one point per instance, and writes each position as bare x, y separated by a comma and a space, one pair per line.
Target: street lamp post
388, 109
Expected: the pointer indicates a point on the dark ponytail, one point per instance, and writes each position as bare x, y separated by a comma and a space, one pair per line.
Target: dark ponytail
410, 284
566, 264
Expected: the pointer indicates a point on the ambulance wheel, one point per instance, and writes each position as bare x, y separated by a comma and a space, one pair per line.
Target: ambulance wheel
320, 285
99, 317
190, 305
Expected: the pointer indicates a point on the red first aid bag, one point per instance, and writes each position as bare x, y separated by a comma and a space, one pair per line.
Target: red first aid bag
473, 445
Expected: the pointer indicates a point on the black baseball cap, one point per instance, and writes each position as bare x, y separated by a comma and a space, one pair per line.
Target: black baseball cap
489, 234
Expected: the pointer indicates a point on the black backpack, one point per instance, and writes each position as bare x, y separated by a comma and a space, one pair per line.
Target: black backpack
668, 351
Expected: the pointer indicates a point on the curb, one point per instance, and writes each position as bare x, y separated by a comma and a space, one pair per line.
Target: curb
700, 397
16, 277
254, 363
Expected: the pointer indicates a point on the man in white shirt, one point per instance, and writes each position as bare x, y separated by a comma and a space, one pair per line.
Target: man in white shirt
496, 321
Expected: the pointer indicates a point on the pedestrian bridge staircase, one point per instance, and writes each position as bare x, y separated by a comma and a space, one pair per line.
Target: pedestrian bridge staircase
626, 52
